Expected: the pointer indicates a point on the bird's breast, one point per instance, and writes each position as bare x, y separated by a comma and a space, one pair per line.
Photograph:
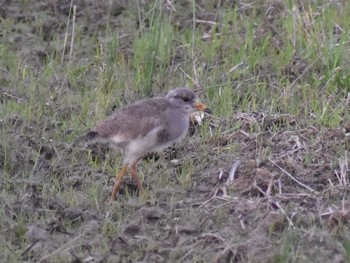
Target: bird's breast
175, 127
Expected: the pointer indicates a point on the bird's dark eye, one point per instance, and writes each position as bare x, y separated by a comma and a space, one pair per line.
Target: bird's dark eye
185, 99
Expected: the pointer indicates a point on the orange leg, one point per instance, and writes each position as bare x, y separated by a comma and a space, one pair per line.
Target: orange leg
118, 181
133, 172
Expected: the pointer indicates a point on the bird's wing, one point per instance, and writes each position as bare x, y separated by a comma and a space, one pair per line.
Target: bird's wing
134, 120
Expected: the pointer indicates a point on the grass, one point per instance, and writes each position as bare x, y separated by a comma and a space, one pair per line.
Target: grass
281, 58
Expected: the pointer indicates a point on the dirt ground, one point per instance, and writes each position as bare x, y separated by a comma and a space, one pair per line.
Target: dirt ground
270, 188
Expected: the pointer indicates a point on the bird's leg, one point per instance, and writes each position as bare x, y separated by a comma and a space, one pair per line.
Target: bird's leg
133, 172
118, 181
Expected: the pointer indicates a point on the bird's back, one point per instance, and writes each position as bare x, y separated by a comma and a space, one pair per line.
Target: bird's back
134, 120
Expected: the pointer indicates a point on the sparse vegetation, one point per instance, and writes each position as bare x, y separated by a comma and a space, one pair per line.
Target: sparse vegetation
275, 73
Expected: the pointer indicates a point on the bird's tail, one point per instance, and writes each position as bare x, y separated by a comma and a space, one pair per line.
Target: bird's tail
87, 137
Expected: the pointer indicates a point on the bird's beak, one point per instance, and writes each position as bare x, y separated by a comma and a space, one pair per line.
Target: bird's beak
201, 107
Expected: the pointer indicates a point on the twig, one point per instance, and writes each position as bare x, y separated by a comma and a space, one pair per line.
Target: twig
306, 70
29, 248
292, 177
283, 212
215, 196
12, 96
73, 31
65, 246
66, 34
214, 236
343, 165
235, 67
188, 76
232, 173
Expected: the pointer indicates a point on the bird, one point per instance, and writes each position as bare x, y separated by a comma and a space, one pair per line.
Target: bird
146, 126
